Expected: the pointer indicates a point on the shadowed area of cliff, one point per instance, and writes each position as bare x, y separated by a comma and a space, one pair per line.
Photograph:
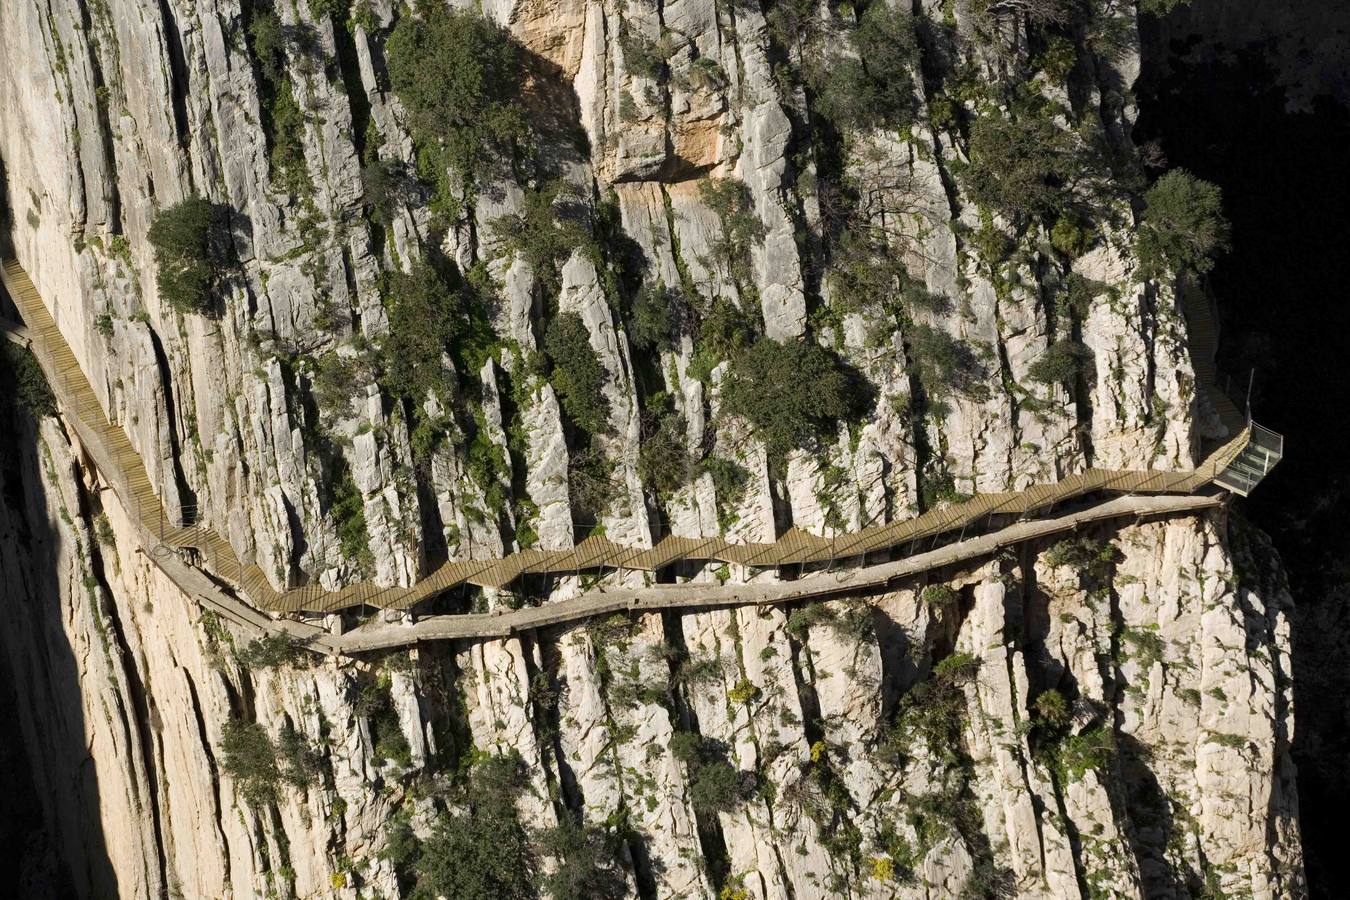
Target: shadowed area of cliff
1221, 94
41, 699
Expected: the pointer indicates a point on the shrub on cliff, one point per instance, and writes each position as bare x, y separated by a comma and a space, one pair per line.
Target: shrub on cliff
664, 462
186, 260
546, 230
577, 374
731, 201
459, 76
425, 316
944, 364
715, 785
1021, 167
873, 89
1183, 226
1061, 363
283, 121
23, 383
793, 393
250, 758
271, 651
481, 851
653, 323
586, 867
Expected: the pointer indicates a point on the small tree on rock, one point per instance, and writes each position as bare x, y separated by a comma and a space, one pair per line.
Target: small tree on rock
577, 375
1183, 226
186, 262
425, 315
459, 75
793, 393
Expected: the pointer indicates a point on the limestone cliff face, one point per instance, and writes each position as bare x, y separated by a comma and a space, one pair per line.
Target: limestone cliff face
887, 746
895, 743
120, 111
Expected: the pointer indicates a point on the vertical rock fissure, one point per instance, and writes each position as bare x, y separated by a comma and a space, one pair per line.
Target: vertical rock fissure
712, 841
101, 94
639, 857
138, 690
178, 72
186, 496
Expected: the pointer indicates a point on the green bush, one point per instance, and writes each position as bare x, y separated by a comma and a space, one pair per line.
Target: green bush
337, 9
349, 517
426, 315
641, 55
707, 74
794, 393
793, 24
1084, 555
956, 668
1070, 237
874, 88
942, 363
716, 787
339, 380
932, 712
801, 621
730, 481
545, 231
686, 746
1150, 647
1021, 167
103, 530
299, 762
741, 229
392, 744
249, 757
1061, 363
1076, 753
714, 784
283, 121
587, 866
459, 77
1059, 59
577, 374
22, 382
866, 274
724, 330
403, 848
1052, 709
1160, 7
652, 322
940, 596
1182, 228
590, 481
375, 703
1076, 296
664, 462
186, 262
481, 851
270, 652
382, 187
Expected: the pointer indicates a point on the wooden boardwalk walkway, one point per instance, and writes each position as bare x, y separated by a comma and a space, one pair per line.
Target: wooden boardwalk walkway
110, 449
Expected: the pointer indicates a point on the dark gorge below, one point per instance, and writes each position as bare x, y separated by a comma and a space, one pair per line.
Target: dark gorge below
1218, 95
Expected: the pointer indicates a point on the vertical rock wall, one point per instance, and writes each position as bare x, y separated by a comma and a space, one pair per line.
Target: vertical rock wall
1174, 654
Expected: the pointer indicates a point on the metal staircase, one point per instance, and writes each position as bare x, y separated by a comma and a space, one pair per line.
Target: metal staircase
1262, 451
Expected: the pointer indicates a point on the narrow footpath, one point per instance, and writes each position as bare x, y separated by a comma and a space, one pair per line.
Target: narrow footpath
187, 553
